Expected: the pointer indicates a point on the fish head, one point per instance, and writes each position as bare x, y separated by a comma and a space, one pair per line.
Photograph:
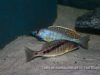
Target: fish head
34, 33
43, 33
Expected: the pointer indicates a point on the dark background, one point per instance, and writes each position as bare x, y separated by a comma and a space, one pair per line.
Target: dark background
86, 4
19, 17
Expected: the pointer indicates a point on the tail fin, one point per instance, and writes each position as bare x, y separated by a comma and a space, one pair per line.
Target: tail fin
84, 41
29, 54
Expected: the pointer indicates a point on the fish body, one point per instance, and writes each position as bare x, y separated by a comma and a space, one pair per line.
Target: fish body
52, 49
60, 33
50, 35
65, 31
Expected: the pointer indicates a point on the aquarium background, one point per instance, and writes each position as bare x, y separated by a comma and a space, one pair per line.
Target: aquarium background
19, 17
86, 4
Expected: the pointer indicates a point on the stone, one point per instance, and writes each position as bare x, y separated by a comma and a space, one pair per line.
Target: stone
89, 22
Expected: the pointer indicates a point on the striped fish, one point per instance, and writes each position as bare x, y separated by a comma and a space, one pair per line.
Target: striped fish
51, 49
65, 31
61, 33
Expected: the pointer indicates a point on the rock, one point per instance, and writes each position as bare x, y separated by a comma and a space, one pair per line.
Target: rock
89, 22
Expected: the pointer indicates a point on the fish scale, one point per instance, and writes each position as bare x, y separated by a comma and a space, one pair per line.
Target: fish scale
59, 41
52, 49
60, 33
65, 31
63, 48
57, 33
50, 45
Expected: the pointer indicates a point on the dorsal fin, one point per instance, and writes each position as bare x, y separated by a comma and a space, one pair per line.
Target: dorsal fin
65, 31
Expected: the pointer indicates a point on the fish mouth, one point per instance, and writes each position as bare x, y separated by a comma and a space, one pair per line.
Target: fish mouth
34, 33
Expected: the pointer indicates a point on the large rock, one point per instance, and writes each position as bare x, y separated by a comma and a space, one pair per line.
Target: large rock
89, 22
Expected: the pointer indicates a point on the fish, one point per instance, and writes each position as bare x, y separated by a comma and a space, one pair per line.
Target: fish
51, 49
61, 33
65, 31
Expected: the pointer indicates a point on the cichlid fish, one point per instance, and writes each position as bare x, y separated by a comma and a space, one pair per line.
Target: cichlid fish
51, 49
60, 33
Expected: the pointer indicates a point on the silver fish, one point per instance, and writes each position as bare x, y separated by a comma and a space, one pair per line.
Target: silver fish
57, 33
51, 49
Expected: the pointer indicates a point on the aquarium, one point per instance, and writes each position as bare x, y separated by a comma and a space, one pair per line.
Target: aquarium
52, 38
18, 17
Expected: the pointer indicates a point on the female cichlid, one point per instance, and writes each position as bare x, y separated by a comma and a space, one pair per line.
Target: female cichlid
51, 49
57, 33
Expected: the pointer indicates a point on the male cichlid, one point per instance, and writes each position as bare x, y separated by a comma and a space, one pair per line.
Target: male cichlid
51, 49
57, 33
